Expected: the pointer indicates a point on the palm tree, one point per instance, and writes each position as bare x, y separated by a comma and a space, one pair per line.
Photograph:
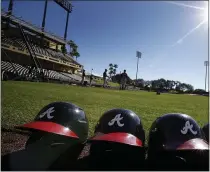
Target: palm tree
73, 49
71, 45
115, 69
63, 49
76, 55
111, 67
115, 66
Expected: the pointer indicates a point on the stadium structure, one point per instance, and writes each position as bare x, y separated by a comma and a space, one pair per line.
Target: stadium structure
30, 53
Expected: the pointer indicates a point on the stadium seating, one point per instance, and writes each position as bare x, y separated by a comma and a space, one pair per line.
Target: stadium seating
6, 66
23, 71
15, 42
19, 43
50, 74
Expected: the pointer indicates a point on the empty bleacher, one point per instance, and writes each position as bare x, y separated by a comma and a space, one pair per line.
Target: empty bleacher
19, 43
23, 71
13, 41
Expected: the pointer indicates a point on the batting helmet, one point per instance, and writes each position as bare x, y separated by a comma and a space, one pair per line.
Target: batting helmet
174, 131
118, 142
59, 118
172, 139
120, 125
206, 131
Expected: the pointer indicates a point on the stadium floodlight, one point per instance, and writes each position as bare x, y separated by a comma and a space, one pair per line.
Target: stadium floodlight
44, 15
67, 22
9, 13
206, 64
65, 4
138, 55
10, 8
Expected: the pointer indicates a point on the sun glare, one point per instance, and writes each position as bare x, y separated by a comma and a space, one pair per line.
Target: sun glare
205, 13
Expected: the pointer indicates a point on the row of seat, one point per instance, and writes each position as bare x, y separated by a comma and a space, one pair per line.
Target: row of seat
19, 43
51, 74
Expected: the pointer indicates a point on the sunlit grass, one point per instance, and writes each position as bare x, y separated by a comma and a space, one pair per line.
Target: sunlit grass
21, 101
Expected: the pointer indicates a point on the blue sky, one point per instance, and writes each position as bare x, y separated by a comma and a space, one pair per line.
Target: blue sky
111, 32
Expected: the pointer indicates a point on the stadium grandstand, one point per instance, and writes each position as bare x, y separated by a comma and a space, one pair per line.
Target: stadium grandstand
29, 53
94, 75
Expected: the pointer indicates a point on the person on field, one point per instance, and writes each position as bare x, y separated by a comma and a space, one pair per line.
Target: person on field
83, 77
105, 78
123, 80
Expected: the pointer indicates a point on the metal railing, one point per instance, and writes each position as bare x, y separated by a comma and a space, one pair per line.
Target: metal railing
19, 20
31, 26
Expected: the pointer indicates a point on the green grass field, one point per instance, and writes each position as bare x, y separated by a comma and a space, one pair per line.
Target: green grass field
21, 101
113, 84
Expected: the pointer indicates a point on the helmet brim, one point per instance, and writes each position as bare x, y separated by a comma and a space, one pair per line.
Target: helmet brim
194, 144
50, 127
124, 138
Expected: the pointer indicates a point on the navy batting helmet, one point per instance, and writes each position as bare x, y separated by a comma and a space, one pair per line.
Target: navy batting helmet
120, 125
59, 118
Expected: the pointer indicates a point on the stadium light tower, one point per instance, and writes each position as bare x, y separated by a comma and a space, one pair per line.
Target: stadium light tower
67, 19
138, 55
206, 64
9, 12
10, 7
44, 15
65, 4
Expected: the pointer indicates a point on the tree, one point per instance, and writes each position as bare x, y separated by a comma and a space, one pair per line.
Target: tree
199, 91
115, 69
155, 85
161, 83
178, 86
117, 78
167, 85
76, 54
147, 83
73, 49
171, 85
63, 49
190, 88
111, 67
71, 45
139, 83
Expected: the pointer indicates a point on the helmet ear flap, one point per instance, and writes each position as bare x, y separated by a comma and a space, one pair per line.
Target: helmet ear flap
154, 141
140, 133
97, 127
202, 133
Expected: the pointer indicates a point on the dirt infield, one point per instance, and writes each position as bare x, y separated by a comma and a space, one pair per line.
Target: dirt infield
12, 141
